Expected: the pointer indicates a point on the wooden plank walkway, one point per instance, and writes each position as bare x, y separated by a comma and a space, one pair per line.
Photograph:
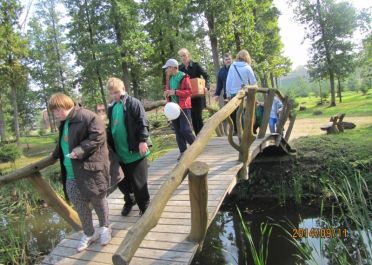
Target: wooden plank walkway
167, 242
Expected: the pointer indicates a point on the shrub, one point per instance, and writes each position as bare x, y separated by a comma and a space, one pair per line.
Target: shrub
9, 153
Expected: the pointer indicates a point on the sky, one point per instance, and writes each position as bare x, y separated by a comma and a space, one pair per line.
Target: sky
292, 33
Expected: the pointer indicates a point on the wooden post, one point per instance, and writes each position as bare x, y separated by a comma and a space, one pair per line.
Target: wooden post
284, 116
51, 197
266, 115
198, 187
247, 137
292, 119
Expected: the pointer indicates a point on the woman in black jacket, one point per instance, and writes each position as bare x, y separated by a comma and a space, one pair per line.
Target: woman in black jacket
194, 70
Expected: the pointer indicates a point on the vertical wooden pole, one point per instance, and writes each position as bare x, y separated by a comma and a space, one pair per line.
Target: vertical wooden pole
266, 115
198, 186
51, 197
284, 116
292, 119
247, 137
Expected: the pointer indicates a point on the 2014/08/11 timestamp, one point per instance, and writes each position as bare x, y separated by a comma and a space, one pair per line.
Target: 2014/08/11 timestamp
318, 232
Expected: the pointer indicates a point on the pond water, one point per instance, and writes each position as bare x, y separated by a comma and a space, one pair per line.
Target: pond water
226, 243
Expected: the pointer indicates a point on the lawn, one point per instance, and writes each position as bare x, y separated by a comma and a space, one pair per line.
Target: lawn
353, 104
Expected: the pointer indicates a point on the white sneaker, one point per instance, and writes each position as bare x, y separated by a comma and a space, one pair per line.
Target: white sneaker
105, 236
85, 240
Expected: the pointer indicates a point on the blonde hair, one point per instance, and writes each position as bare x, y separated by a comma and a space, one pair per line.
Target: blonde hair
243, 55
115, 84
60, 101
184, 51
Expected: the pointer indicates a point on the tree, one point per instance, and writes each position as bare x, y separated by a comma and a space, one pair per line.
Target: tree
92, 40
330, 26
13, 48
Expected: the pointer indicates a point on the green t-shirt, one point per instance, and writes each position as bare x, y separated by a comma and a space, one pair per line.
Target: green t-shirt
119, 134
66, 150
174, 83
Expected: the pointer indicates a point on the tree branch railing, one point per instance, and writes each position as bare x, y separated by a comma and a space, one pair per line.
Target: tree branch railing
244, 101
46, 192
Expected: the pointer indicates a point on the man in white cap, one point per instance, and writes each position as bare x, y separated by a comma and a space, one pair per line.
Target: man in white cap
178, 90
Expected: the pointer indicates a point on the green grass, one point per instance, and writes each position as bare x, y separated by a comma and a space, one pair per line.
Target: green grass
34, 148
353, 104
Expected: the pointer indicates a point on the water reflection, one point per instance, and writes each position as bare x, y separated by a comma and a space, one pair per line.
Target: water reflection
43, 231
226, 243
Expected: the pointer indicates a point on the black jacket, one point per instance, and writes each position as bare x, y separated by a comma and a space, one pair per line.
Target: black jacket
194, 70
135, 123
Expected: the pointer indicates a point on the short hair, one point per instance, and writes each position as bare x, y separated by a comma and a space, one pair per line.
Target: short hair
115, 84
226, 55
184, 51
60, 101
243, 55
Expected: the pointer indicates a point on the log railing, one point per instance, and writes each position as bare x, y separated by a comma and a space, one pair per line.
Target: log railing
244, 102
46, 192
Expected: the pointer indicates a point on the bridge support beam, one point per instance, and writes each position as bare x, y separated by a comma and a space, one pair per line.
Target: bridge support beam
198, 187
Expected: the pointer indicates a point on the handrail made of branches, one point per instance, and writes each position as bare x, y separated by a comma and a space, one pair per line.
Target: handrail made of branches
46, 192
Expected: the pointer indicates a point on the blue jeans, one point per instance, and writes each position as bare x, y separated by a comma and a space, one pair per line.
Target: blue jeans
182, 127
272, 124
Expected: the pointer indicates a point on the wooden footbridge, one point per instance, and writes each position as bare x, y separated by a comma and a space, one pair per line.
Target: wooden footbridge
173, 228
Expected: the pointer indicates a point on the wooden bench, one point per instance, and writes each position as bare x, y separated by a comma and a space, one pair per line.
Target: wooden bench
334, 125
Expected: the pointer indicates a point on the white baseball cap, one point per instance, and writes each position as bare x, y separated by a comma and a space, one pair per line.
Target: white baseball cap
171, 63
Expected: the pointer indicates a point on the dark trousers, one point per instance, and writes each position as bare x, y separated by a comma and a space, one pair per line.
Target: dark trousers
198, 104
182, 127
135, 180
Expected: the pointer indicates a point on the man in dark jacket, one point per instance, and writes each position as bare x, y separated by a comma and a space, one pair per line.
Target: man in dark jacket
222, 76
128, 135
194, 70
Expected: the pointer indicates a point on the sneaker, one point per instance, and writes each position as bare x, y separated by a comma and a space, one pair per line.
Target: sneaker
105, 235
85, 241
126, 209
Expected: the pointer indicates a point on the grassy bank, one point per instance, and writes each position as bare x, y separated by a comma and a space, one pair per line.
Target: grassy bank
320, 160
353, 104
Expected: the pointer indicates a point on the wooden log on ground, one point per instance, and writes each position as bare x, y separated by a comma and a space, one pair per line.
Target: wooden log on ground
198, 187
150, 105
47, 193
137, 233
27, 170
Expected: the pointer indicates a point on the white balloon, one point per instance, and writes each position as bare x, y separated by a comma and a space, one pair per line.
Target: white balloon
172, 111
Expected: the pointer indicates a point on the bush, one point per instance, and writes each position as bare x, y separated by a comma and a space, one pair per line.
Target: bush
9, 153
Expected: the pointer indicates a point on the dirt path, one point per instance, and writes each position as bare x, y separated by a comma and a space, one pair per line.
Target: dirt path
305, 127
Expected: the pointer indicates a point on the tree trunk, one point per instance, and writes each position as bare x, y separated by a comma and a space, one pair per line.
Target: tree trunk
332, 82
2, 123
320, 92
15, 111
238, 43
273, 84
96, 63
328, 56
56, 48
339, 89
134, 77
119, 41
213, 40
